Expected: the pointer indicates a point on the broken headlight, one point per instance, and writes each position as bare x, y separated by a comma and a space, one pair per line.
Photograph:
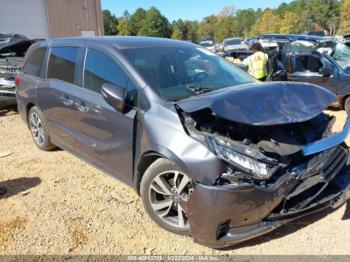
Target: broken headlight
256, 169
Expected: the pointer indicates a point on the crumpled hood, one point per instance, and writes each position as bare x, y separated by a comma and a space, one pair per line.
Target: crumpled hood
263, 104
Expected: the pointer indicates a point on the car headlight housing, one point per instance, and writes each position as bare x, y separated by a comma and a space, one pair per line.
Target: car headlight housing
254, 168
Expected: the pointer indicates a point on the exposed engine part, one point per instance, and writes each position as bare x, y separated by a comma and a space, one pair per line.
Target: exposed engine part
279, 145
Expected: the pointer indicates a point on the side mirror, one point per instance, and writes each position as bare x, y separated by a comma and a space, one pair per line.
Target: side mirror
326, 71
114, 96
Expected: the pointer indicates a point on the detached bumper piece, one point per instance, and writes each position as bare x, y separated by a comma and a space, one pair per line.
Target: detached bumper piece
222, 216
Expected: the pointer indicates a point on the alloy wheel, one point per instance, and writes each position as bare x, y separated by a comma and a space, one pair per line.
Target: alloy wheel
166, 192
37, 128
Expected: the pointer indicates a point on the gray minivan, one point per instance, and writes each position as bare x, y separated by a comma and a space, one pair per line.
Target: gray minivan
213, 153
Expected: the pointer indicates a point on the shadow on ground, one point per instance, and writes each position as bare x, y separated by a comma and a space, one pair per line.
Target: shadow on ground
18, 185
8, 110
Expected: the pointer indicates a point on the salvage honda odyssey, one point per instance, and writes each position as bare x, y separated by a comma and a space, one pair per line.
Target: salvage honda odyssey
213, 153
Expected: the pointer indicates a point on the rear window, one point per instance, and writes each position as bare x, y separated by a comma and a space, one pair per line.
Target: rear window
62, 63
33, 63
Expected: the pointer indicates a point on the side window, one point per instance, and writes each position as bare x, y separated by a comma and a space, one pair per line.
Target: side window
100, 69
62, 63
33, 63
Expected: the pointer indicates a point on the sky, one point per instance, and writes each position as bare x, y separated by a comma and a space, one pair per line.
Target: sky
185, 9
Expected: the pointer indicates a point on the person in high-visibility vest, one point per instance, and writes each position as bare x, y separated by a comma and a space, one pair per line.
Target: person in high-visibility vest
257, 62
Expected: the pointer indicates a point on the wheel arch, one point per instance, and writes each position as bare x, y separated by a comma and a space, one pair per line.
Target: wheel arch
144, 163
149, 157
27, 108
342, 100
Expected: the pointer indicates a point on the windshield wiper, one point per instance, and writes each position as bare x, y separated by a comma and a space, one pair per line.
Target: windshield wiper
198, 90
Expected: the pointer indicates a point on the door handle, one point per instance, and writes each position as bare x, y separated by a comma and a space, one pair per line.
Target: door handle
66, 100
82, 107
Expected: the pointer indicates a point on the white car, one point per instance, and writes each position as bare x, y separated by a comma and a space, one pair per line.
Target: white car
208, 44
236, 43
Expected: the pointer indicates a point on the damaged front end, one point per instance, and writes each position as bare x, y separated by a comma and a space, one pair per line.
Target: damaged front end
8, 70
278, 169
12, 52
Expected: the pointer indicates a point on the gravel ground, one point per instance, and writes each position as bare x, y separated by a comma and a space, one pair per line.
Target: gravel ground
56, 204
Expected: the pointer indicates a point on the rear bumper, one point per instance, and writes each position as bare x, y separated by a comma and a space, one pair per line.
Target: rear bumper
222, 216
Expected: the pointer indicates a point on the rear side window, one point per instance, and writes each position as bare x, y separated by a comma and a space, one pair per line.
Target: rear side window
99, 69
33, 63
62, 63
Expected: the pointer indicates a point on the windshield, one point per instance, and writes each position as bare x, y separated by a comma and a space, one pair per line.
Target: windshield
233, 42
180, 72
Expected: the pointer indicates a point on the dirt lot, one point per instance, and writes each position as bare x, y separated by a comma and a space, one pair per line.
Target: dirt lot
56, 204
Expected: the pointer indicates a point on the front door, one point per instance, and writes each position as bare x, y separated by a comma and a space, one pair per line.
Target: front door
308, 68
106, 135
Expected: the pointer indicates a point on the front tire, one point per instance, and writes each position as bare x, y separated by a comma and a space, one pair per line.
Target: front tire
163, 186
39, 132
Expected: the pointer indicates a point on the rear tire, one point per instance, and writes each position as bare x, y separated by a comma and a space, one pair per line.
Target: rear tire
163, 185
39, 132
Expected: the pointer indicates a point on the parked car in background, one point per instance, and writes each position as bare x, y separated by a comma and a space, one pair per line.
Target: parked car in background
269, 42
158, 115
12, 51
325, 63
274, 42
250, 41
233, 44
209, 45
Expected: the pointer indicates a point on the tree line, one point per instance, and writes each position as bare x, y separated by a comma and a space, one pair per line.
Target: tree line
297, 16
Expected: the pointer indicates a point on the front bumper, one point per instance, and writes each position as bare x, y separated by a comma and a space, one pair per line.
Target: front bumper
222, 216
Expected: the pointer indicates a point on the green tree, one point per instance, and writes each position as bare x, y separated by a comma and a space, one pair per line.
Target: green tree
268, 23
344, 27
110, 23
245, 19
126, 15
192, 31
323, 12
155, 24
123, 27
136, 21
180, 30
289, 24
208, 26
224, 28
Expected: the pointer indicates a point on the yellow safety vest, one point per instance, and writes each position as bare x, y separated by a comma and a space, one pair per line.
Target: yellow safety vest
257, 65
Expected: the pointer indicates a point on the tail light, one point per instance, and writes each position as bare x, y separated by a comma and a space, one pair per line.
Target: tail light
17, 81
